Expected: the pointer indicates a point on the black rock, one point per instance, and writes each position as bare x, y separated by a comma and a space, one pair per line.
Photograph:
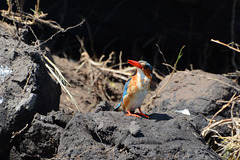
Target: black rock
109, 135
25, 87
41, 139
103, 106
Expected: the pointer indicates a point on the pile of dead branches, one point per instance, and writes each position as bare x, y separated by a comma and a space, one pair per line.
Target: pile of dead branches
100, 72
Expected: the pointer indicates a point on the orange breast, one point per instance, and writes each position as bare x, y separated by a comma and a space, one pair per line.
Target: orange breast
136, 94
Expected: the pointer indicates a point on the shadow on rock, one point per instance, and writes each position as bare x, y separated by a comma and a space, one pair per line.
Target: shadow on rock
159, 117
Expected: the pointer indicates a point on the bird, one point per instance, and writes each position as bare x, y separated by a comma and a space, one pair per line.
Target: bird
136, 88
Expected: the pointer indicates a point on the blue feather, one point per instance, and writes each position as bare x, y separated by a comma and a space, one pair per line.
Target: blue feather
124, 94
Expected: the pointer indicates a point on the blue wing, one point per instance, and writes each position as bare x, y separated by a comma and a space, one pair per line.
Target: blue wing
124, 94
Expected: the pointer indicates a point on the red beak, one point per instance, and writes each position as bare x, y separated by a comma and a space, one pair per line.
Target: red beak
135, 63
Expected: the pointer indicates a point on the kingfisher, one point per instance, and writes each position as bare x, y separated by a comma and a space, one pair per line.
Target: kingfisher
136, 88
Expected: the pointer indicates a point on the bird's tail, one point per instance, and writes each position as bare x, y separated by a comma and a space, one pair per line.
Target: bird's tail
118, 108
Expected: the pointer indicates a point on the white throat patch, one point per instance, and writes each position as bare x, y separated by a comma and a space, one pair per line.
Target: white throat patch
142, 77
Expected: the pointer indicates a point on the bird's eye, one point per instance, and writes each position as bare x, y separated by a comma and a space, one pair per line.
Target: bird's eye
145, 66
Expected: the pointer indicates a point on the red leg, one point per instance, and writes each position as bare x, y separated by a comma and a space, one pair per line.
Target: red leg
143, 113
130, 114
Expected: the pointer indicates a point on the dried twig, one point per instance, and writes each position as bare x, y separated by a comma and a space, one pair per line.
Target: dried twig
164, 59
30, 74
14, 134
224, 44
63, 30
60, 81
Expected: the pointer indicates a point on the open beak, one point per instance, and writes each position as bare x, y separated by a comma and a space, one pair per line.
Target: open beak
135, 63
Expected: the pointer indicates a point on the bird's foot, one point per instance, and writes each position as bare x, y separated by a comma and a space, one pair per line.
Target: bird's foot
131, 114
143, 113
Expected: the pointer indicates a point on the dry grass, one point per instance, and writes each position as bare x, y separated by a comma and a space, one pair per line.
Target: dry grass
229, 147
226, 146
